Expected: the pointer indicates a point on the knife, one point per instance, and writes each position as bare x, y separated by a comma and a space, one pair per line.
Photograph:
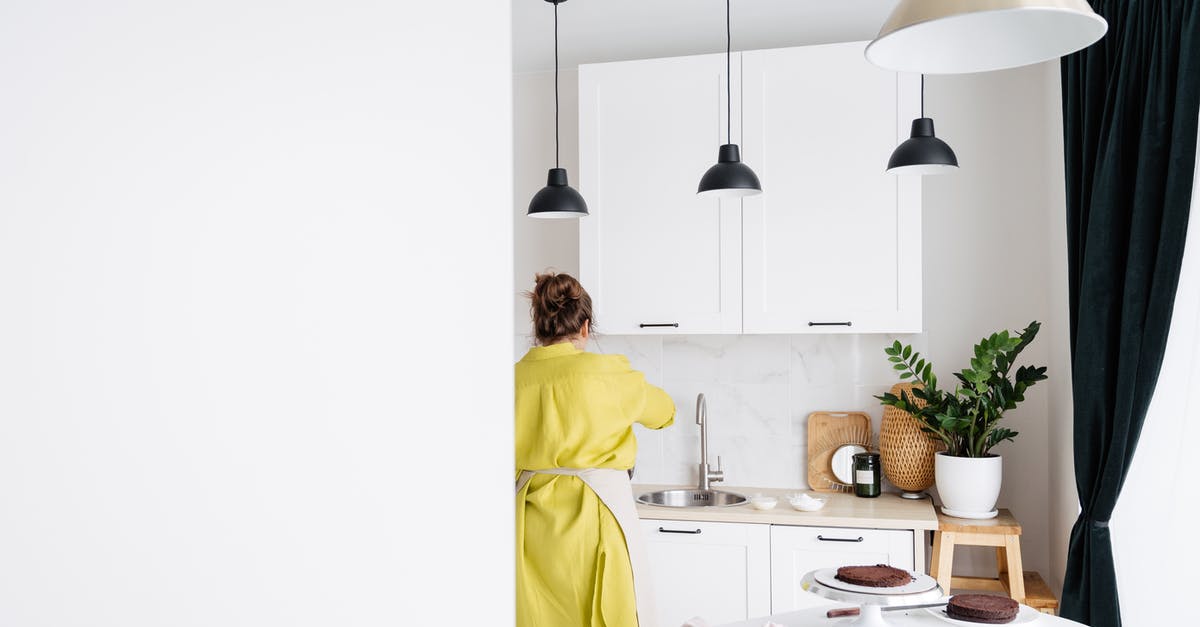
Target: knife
853, 611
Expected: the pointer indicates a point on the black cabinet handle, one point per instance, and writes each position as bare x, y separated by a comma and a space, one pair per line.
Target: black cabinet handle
659, 324
665, 530
824, 539
829, 324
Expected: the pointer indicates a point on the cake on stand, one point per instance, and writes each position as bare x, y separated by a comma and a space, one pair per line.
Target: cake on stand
922, 589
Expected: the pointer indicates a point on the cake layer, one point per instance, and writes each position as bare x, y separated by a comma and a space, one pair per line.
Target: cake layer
877, 576
982, 608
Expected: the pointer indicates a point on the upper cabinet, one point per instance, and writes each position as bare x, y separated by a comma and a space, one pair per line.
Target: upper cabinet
834, 242
832, 245
655, 257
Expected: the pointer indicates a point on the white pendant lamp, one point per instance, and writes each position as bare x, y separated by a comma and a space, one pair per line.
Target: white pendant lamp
957, 36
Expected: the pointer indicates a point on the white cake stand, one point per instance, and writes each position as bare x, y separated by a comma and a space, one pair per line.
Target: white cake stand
923, 589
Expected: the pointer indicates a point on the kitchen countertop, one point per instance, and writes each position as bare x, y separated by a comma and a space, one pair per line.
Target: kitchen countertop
887, 511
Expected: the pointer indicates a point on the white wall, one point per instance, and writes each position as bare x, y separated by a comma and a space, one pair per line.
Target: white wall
244, 248
538, 244
989, 264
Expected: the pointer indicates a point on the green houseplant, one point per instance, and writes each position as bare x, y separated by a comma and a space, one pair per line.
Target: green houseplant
967, 419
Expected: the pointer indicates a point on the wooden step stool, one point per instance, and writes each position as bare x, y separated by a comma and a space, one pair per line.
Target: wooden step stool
1002, 532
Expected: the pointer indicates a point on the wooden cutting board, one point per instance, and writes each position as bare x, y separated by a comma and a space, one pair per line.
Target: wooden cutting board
827, 431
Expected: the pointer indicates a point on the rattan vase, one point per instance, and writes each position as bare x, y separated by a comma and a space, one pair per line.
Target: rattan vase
905, 452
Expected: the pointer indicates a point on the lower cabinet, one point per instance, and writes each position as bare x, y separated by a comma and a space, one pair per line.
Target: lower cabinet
718, 571
729, 572
796, 551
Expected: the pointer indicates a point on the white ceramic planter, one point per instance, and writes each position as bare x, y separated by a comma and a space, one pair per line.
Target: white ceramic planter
968, 486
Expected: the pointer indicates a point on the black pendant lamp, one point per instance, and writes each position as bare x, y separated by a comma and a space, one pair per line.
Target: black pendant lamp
557, 199
922, 153
729, 178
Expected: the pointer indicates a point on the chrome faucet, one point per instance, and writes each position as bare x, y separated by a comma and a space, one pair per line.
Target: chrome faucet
707, 475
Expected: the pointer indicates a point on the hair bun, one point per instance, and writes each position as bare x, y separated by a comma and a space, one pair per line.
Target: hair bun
559, 306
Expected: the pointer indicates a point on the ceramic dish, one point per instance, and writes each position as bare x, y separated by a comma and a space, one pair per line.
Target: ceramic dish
763, 502
810, 504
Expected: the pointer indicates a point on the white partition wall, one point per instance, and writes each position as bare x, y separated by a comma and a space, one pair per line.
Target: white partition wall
254, 287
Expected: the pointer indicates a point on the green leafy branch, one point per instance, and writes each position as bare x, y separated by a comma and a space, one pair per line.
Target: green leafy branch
966, 419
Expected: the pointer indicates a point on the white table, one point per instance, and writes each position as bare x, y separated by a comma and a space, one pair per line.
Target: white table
815, 617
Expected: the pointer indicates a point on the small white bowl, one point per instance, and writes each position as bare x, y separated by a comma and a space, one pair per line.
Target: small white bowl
763, 502
810, 504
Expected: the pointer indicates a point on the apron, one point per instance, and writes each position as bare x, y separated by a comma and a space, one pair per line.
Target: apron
616, 492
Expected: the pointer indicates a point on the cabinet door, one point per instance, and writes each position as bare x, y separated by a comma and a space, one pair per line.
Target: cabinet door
654, 256
833, 245
795, 551
717, 571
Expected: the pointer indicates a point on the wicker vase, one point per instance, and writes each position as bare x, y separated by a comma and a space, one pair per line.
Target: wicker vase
906, 452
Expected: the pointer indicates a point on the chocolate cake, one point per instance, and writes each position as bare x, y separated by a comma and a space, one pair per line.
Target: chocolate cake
982, 608
877, 576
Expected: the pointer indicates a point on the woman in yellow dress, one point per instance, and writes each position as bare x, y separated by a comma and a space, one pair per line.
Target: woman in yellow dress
576, 565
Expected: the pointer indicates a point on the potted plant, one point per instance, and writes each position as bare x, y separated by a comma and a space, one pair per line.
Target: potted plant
967, 419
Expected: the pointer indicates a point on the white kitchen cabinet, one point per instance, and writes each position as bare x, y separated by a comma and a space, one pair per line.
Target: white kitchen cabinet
654, 256
834, 243
795, 551
718, 571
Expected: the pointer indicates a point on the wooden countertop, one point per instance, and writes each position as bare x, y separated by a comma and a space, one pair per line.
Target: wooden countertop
887, 511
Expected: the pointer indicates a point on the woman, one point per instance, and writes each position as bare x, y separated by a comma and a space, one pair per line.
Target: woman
578, 544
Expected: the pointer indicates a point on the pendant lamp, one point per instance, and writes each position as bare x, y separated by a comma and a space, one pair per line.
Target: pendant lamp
922, 153
557, 199
953, 36
729, 178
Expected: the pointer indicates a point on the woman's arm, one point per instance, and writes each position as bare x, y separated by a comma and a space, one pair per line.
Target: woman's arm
646, 404
659, 410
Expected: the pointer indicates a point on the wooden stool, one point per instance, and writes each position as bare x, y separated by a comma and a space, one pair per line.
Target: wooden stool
1002, 532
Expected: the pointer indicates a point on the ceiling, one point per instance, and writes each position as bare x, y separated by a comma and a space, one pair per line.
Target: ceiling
592, 31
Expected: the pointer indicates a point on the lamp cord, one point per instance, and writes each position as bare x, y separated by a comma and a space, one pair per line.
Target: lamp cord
728, 78
922, 95
556, 164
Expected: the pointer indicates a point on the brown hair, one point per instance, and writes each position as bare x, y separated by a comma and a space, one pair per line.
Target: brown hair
559, 306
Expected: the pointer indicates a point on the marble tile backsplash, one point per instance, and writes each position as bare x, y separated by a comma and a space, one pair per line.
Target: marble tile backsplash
759, 390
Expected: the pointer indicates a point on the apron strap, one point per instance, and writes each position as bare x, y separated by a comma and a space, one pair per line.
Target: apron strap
615, 491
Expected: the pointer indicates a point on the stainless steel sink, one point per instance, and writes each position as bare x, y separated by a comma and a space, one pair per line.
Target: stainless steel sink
692, 497
702, 495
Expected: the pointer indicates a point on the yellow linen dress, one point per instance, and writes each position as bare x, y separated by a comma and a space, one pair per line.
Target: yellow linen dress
576, 409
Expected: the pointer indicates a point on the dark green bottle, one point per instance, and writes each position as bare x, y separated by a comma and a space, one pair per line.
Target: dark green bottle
866, 475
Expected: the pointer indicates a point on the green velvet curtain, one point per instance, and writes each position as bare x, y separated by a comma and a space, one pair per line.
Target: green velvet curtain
1130, 105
